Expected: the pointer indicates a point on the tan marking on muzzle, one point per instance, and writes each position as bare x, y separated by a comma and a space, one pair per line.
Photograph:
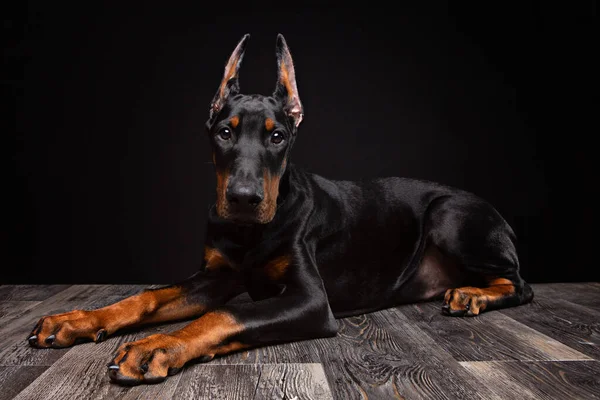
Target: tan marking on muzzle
222, 181
266, 209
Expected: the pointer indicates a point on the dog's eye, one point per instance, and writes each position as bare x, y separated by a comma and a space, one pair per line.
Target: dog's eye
225, 134
276, 137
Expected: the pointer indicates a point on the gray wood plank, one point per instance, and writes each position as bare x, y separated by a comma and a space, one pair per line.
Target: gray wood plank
383, 355
574, 325
586, 294
87, 379
15, 379
293, 381
491, 336
244, 381
296, 352
29, 292
539, 380
227, 382
14, 349
11, 309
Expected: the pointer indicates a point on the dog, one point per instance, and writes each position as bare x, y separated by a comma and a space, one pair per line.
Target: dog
306, 249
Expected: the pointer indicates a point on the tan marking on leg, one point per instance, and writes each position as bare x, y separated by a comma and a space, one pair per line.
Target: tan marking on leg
205, 336
151, 358
150, 306
147, 307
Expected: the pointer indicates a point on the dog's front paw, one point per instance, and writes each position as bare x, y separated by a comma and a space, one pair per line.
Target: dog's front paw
149, 360
63, 330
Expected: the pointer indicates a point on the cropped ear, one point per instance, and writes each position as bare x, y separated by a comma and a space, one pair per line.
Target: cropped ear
229, 85
286, 89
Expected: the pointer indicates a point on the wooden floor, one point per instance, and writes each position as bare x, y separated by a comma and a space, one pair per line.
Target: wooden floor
549, 349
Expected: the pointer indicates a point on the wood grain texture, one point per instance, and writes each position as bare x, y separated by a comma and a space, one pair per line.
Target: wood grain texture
87, 379
257, 381
574, 325
490, 336
289, 381
29, 292
205, 381
585, 294
11, 309
382, 355
410, 352
539, 380
15, 379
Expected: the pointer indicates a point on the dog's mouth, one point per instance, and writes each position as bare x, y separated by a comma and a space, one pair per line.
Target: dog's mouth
262, 213
259, 216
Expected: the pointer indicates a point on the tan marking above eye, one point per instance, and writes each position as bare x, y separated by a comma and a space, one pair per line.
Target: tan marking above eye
234, 121
269, 124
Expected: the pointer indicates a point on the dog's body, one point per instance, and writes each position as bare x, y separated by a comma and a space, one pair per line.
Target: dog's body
306, 249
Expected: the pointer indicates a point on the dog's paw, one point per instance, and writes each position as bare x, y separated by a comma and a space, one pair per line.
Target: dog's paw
64, 330
149, 360
464, 302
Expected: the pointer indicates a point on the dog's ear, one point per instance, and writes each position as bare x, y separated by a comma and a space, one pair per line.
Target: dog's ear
230, 84
286, 89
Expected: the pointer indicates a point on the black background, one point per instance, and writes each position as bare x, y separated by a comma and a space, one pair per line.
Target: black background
109, 174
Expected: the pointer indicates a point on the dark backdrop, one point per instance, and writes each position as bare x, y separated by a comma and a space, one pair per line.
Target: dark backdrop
109, 174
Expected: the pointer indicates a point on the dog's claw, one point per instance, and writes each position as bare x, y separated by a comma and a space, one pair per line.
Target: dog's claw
446, 309
32, 340
100, 336
144, 368
113, 367
50, 339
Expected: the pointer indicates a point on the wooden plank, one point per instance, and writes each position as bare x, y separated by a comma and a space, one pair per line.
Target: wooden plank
306, 351
15, 351
572, 324
246, 381
497, 380
293, 381
29, 292
87, 379
383, 355
585, 294
15, 379
206, 381
491, 336
540, 379
12, 309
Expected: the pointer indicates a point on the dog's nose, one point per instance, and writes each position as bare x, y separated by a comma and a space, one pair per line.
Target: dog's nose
244, 197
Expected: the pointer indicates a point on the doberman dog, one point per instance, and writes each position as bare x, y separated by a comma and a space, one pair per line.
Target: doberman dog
306, 249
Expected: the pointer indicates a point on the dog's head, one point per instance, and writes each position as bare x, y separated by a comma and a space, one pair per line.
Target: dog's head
251, 137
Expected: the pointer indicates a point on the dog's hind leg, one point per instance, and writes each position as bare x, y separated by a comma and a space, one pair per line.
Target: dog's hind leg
473, 233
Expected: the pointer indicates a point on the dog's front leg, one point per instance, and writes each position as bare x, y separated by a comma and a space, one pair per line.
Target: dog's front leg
194, 296
299, 311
